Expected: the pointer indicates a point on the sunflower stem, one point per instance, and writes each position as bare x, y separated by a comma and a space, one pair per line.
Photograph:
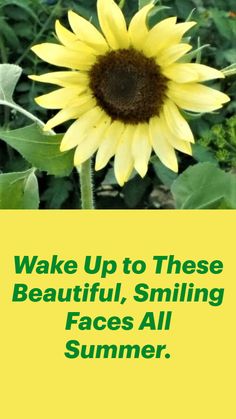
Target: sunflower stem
86, 185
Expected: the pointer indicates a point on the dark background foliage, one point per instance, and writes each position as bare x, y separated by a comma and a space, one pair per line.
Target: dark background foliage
24, 23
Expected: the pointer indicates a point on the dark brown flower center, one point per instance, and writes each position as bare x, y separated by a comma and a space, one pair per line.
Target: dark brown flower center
128, 85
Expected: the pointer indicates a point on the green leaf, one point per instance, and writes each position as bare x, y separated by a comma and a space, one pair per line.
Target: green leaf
19, 190
9, 76
134, 190
39, 149
203, 154
205, 186
165, 175
184, 8
110, 178
57, 192
221, 20
7, 32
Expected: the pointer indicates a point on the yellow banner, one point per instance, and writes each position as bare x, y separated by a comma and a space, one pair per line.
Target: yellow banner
117, 314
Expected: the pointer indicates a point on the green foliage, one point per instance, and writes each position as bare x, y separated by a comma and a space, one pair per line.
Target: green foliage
221, 141
57, 193
9, 76
203, 154
225, 26
204, 186
19, 190
135, 190
41, 150
165, 175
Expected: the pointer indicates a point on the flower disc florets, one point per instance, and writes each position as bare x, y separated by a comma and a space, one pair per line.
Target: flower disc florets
128, 85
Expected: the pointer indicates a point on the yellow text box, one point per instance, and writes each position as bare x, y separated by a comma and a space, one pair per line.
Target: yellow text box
195, 381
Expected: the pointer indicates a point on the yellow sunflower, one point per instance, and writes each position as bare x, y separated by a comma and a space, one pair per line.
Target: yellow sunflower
125, 89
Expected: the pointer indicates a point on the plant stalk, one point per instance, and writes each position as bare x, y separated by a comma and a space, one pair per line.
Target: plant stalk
86, 185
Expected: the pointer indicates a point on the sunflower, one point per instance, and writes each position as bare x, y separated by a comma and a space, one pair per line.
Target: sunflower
125, 89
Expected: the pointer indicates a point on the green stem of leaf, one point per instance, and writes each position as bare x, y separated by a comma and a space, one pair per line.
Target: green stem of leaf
230, 70
3, 52
26, 113
86, 185
231, 147
4, 59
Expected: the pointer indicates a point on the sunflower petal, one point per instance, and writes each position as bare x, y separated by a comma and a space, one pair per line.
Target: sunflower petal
63, 57
78, 130
141, 149
179, 31
161, 145
113, 24
138, 29
175, 142
92, 141
86, 32
64, 35
71, 41
124, 162
196, 97
60, 98
176, 122
83, 104
191, 72
157, 37
172, 54
164, 35
180, 145
108, 146
62, 78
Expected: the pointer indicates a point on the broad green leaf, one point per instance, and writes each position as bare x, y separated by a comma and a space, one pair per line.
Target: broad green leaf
42, 151
203, 154
134, 190
9, 76
205, 186
165, 175
19, 190
57, 192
